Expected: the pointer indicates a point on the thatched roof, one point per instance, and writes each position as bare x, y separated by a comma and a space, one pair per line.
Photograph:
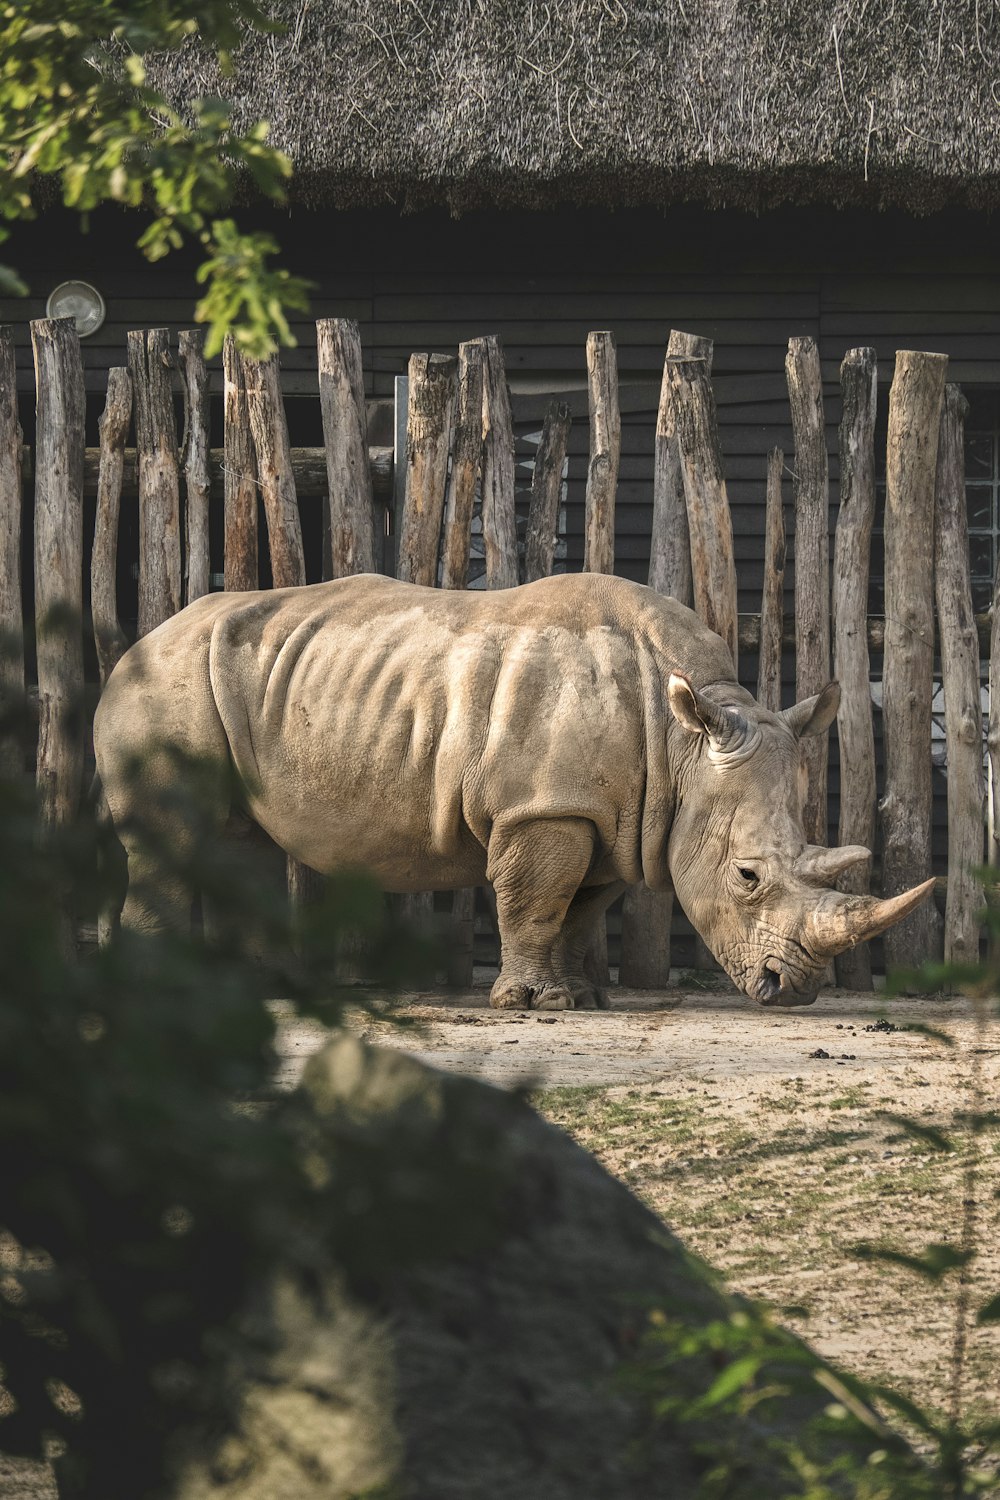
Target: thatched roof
742, 102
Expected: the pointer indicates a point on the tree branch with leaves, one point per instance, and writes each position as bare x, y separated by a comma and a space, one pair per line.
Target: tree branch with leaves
76, 109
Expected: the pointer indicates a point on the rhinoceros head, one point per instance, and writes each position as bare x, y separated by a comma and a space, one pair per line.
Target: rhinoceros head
756, 891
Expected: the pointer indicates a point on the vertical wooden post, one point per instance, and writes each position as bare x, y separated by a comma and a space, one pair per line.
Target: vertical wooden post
274, 468
960, 678
915, 402
428, 430
269, 427
59, 445
812, 562
466, 453
109, 638
772, 597
240, 478
709, 522
647, 914
349, 538
605, 451
197, 564
11, 623
851, 664
670, 544
546, 489
499, 518
599, 524
150, 367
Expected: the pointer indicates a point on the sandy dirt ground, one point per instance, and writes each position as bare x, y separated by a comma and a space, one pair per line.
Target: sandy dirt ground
764, 1139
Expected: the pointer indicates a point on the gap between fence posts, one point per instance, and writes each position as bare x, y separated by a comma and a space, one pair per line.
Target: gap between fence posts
812, 564
915, 402
851, 661
150, 367
647, 915
197, 482
960, 681
11, 617
349, 542
109, 637
59, 566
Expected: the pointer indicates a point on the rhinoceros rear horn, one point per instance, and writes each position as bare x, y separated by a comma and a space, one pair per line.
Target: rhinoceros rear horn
726, 728
844, 921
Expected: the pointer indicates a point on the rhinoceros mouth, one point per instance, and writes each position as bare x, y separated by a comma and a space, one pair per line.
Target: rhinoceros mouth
774, 986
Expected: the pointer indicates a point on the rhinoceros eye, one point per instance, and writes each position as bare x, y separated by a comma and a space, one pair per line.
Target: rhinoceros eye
749, 877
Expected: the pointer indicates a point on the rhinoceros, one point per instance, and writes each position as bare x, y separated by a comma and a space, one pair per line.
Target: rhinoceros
561, 740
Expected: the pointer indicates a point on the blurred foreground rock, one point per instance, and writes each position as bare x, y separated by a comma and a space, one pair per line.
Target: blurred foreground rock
478, 1354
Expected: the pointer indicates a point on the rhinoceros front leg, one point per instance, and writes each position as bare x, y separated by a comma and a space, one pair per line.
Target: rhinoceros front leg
536, 870
573, 950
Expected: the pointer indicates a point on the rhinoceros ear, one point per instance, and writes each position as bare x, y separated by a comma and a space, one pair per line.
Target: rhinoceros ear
726, 728
814, 715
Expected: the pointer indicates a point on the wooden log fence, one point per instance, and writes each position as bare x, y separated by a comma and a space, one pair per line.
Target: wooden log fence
460, 447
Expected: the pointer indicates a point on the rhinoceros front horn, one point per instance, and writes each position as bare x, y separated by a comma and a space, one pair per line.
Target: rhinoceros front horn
843, 921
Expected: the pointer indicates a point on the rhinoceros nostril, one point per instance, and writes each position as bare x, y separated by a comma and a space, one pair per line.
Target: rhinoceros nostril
771, 981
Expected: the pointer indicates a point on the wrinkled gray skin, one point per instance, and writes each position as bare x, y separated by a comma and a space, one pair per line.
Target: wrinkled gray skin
560, 740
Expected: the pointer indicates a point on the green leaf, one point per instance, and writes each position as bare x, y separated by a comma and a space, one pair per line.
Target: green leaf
11, 284
735, 1377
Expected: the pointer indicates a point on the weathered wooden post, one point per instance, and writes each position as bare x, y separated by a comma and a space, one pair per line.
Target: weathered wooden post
710, 525
546, 490
11, 623
466, 453
239, 478
812, 562
150, 367
269, 427
499, 517
349, 544
670, 544
429, 411
772, 595
197, 564
915, 402
646, 914
960, 678
851, 664
109, 637
59, 446
430, 405
605, 451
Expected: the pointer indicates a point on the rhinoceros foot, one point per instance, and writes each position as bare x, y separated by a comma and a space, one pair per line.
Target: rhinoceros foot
587, 996
520, 994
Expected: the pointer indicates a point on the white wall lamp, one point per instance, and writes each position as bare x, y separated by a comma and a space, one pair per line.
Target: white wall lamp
80, 301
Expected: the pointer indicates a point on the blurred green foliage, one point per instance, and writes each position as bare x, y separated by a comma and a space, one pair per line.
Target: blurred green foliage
75, 107
141, 1192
